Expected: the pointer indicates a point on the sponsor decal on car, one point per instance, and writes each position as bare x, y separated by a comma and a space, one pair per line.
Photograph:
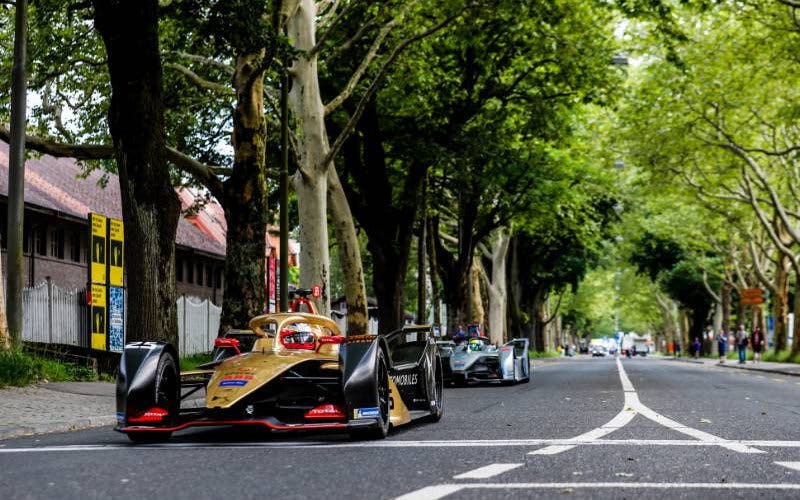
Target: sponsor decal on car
406, 379
367, 412
459, 363
235, 380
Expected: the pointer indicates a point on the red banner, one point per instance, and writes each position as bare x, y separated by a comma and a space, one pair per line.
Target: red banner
272, 288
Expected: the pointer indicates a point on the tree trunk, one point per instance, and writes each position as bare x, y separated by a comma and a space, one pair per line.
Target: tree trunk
435, 299
780, 302
422, 285
245, 203
349, 257
149, 205
312, 182
477, 314
796, 328
725, 295
5, 340
497, 289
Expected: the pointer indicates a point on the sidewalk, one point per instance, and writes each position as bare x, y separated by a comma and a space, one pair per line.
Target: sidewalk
792, 369
56, 407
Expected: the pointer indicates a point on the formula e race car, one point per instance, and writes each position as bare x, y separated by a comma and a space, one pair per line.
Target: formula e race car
299, 374
479, 360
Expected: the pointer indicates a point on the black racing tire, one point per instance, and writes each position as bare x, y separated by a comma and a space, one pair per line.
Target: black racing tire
513, 380
528, 371
166, 395
436, 396
382, 396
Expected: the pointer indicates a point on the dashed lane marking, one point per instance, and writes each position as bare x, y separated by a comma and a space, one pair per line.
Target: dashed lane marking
488, 471
790, 465
442, 490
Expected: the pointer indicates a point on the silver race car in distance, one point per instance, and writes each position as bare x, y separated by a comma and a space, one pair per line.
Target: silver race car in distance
479, 360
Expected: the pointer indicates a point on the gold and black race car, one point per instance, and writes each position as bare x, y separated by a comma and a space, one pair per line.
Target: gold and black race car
299, 374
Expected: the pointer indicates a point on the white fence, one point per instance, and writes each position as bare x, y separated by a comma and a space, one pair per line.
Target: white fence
53, 315
341, 322
198, 324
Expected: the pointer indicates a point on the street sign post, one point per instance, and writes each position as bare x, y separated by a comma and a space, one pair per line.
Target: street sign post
752, 296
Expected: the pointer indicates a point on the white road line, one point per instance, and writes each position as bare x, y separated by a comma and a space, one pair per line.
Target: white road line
631, 408
488, 471
431, 492
790, 465
567, 443
442, 490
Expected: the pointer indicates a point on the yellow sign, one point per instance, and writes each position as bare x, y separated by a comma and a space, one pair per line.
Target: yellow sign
116, 244
97, 246
98, 317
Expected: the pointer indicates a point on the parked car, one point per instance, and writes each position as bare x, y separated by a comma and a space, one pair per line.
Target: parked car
598, 350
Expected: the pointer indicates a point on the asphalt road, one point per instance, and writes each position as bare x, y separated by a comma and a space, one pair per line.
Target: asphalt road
583, 428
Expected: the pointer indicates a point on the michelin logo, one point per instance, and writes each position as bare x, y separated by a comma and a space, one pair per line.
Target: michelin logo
367, 412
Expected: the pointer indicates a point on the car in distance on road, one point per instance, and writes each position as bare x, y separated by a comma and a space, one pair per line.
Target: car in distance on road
300, 374
446, 348
478, 360
598, 350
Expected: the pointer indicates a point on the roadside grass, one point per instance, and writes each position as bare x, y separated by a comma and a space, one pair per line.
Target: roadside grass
195, 360
781, 356
18, 368
544, 354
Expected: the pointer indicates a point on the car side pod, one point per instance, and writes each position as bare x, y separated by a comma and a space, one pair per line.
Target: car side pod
365, 378
148, 387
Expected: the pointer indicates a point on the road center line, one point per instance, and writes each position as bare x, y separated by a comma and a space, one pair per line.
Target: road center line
631, 408
487, 471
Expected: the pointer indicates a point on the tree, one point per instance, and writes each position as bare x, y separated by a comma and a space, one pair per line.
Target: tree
136, 120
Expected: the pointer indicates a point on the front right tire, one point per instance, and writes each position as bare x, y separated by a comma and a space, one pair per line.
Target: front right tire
165, 395
382, 396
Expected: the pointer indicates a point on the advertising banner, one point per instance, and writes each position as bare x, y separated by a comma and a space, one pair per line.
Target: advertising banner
116, 244
97, 248
98, 317
116, 318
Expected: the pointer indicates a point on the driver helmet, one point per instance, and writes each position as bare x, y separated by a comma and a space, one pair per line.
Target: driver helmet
475, 344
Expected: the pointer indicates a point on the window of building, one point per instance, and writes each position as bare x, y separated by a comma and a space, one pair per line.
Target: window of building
218, 280
57, 243
200, 273
26, 239
209, 276
179, 269
40, 240
75, 246
190, 272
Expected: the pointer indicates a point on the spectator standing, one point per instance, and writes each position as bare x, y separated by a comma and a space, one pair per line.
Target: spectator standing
757, 343
722, 342
677, 348
741, 343
697, 346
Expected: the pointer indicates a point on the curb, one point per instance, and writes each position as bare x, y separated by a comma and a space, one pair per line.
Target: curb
764, 370
8, 432
736, 366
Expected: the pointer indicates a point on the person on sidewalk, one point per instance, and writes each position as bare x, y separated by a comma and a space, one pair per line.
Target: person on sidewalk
677, 348
757, 343
697, 346
722, 343
741, 343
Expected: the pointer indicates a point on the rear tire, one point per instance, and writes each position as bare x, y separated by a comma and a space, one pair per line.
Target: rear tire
527, 371
437, 408
382, 396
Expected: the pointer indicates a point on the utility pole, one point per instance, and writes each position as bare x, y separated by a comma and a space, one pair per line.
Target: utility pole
284, 193
16, 175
